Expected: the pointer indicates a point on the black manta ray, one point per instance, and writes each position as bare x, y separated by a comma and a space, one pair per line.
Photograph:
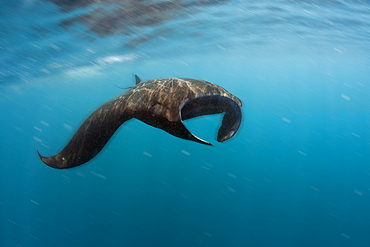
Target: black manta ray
163, 103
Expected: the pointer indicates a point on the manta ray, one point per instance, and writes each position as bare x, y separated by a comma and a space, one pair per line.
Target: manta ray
161, 103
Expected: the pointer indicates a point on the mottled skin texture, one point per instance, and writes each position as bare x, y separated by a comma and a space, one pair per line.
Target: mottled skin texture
163, 103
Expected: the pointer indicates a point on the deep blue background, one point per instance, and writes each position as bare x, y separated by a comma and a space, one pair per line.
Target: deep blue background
296, 174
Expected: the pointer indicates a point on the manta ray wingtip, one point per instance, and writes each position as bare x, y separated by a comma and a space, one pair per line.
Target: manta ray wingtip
43, 158
48, 161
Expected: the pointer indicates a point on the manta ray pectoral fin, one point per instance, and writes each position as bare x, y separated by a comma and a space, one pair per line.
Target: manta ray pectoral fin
230, 122
214, 104
180, 130
90, 138
43, 158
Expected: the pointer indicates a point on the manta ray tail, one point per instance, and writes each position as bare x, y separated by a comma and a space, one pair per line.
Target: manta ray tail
90, 138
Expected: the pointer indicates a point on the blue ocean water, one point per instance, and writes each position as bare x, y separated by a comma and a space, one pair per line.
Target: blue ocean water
297, 173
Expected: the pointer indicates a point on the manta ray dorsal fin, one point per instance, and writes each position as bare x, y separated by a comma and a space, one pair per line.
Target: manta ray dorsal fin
137, 79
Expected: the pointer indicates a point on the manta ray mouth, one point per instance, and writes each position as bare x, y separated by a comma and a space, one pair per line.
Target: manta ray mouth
213, 104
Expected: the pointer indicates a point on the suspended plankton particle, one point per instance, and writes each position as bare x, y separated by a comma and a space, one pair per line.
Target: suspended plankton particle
286, 120
345, 97
230, 189
358, 192
44, 123
147, 154
98, 175
38, 129
47, 107
356, 135
314, 188
34, 202
17, 128
345, 235
67, 126
37, 139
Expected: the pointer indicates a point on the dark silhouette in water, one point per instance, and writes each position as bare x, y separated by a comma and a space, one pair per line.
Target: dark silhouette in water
163, 104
